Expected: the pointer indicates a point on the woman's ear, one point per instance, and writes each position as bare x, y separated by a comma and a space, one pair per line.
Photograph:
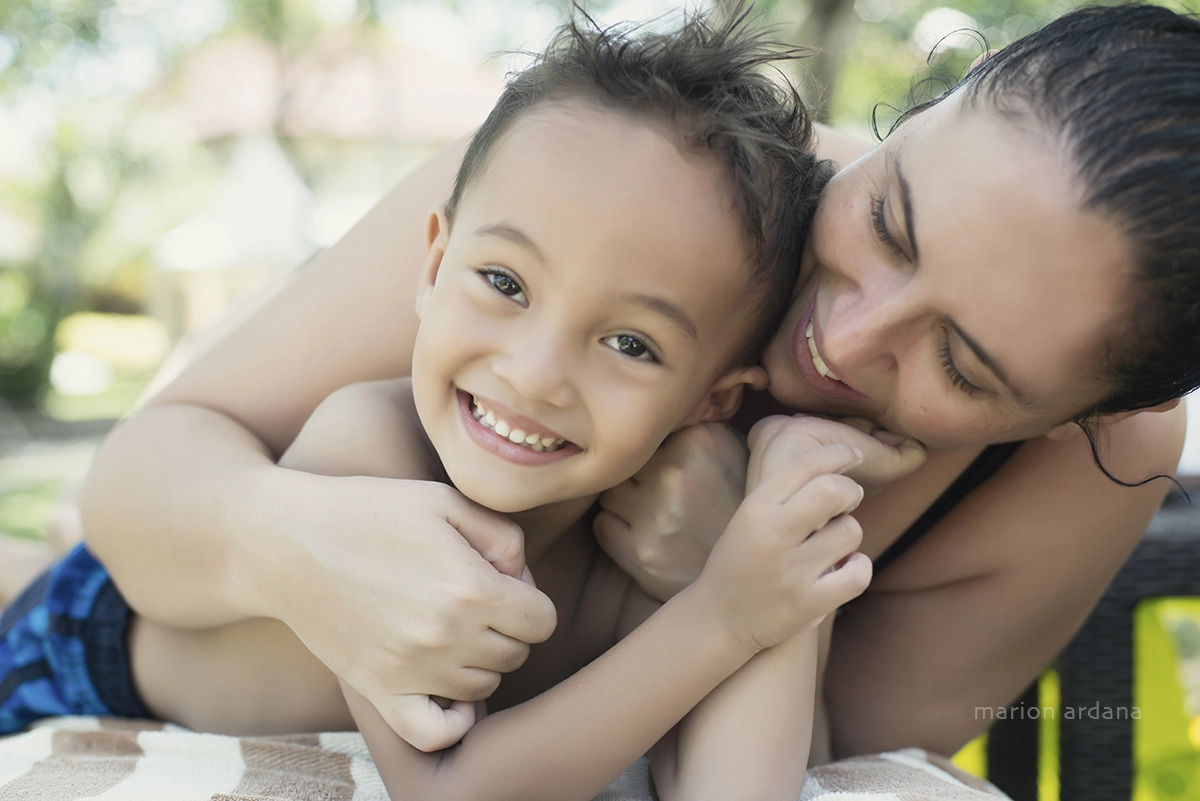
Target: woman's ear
437, 234
723, 398
1068, 430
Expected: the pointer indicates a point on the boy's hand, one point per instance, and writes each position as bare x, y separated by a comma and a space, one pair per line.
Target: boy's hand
660, 525
788, 557
886, 457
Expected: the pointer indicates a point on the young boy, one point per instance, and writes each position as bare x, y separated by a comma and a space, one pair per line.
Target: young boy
623, 234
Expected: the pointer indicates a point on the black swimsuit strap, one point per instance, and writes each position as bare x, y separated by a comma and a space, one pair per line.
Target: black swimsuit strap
979, 471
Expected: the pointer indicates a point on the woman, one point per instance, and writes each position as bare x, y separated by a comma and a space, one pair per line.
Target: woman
1015, 258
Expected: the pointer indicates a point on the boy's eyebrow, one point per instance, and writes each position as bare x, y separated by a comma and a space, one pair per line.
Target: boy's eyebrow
667, 309
514, 235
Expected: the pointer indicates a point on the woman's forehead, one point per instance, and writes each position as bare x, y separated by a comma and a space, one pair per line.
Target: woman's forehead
1005, 245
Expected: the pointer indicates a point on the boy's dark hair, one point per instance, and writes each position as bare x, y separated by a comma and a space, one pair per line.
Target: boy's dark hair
704, 80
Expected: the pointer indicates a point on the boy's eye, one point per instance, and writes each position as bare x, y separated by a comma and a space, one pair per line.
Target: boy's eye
631, 346
505, 284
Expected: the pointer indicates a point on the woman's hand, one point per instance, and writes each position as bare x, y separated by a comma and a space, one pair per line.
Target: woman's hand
660, 525
404, 589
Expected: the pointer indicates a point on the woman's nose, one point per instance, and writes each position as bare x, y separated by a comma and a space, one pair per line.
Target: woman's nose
536, 364
864, 330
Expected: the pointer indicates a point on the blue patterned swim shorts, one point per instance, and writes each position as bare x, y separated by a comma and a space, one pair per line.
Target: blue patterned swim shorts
63, 647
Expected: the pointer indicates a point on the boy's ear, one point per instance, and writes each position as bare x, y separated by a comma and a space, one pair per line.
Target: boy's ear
437, 234
1068, 430
725, 395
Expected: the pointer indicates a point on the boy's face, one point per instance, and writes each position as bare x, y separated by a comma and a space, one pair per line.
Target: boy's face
595, 286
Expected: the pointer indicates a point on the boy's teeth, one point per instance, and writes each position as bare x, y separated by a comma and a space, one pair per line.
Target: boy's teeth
533, 440
818, 362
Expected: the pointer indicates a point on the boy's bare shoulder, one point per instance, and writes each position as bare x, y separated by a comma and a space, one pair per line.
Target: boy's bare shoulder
366, 429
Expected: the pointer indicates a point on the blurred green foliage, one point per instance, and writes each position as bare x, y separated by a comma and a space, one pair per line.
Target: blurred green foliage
102, 174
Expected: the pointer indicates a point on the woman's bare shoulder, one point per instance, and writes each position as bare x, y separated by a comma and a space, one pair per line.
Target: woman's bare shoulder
1049, 502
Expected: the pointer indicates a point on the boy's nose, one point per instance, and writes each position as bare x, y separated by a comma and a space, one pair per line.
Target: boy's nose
538, 368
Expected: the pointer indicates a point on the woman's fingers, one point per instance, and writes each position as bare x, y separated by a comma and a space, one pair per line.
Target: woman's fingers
520, 611
424, 724
497, 539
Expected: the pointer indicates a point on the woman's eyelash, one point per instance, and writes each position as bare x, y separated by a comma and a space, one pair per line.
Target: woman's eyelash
880, 226
958, 379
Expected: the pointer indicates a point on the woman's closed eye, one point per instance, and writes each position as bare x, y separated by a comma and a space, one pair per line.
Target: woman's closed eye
632, 346
952, 372
879, 223
505, 283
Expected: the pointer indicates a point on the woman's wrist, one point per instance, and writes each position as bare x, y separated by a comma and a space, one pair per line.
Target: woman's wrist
260, 542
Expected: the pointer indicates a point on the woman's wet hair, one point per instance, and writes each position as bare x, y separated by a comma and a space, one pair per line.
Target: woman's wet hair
703, 82
1117, 89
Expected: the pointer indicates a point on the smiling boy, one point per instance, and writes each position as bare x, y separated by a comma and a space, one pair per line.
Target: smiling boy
623, 235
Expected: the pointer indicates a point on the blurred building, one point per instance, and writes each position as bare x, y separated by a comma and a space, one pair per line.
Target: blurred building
309, 141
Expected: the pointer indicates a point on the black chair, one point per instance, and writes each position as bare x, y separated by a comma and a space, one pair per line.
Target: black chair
1096, 756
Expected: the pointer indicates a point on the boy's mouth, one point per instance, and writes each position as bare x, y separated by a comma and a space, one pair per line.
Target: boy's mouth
513, 432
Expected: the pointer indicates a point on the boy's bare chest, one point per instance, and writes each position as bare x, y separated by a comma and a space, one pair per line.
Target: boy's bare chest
588, 591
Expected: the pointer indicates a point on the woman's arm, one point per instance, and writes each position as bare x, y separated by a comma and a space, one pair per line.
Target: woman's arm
972, 613
198, 526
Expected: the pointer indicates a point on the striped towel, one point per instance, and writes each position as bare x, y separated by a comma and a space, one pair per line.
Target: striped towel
111, 759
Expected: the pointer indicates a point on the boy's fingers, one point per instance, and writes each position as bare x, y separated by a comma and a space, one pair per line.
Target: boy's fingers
784, 482
820, 500
846, 581
833, 542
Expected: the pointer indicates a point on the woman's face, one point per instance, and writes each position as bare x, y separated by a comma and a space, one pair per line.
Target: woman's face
953, 286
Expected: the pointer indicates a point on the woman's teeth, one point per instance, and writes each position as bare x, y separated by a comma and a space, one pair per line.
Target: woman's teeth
533, 441
818, 362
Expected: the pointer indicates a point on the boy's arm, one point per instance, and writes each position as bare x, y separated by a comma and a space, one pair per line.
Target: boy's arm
750, 737
768, 577
574, 739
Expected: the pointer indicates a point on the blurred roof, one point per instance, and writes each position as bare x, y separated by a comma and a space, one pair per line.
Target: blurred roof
349, 84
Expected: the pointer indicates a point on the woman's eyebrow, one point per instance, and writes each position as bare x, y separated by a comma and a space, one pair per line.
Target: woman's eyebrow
990, 363
906, 200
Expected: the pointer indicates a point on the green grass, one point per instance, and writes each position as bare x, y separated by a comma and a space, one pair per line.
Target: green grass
23, 510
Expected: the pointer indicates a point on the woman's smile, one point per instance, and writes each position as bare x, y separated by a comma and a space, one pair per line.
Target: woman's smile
810, 360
